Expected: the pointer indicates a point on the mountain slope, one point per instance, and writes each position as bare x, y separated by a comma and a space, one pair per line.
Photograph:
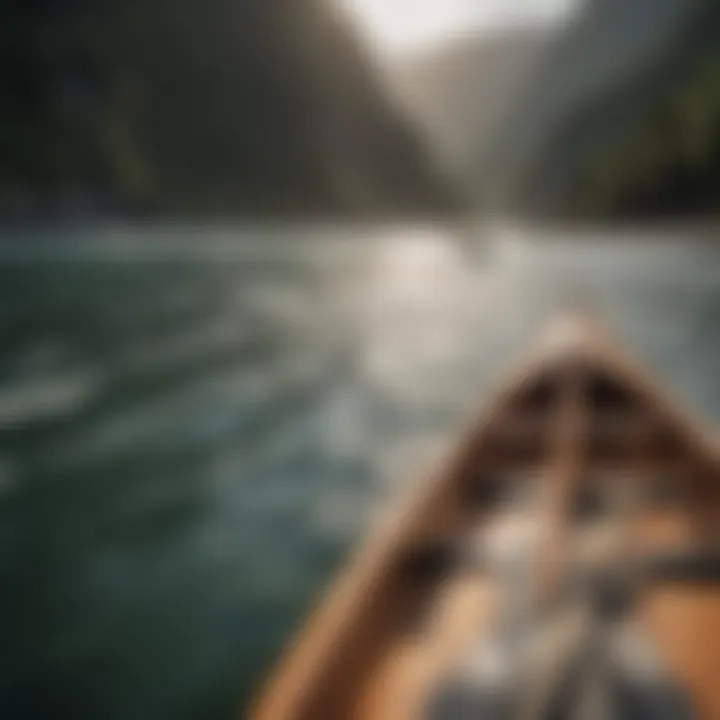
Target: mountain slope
254, 107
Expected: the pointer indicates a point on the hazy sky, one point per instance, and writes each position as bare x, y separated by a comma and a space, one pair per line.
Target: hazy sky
406, 25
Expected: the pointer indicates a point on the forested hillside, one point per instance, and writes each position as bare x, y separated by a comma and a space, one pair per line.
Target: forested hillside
259, 107
663, 157
638, 132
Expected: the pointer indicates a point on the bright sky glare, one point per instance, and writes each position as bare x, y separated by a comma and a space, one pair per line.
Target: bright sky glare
406, 25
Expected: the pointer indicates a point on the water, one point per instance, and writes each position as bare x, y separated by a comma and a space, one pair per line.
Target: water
196, 423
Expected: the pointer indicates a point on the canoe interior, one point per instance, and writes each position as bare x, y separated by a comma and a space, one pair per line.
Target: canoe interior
579, 454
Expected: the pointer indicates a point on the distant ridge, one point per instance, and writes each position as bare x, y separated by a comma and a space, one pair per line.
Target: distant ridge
461, 91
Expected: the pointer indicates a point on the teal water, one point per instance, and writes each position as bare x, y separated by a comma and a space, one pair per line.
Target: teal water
196, 423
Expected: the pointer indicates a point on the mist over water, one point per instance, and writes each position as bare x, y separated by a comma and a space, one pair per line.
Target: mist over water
195, 424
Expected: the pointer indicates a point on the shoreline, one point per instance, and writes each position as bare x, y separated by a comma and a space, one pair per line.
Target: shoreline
466, 228
656, 227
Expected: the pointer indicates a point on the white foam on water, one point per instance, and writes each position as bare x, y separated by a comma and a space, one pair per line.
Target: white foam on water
41, 398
